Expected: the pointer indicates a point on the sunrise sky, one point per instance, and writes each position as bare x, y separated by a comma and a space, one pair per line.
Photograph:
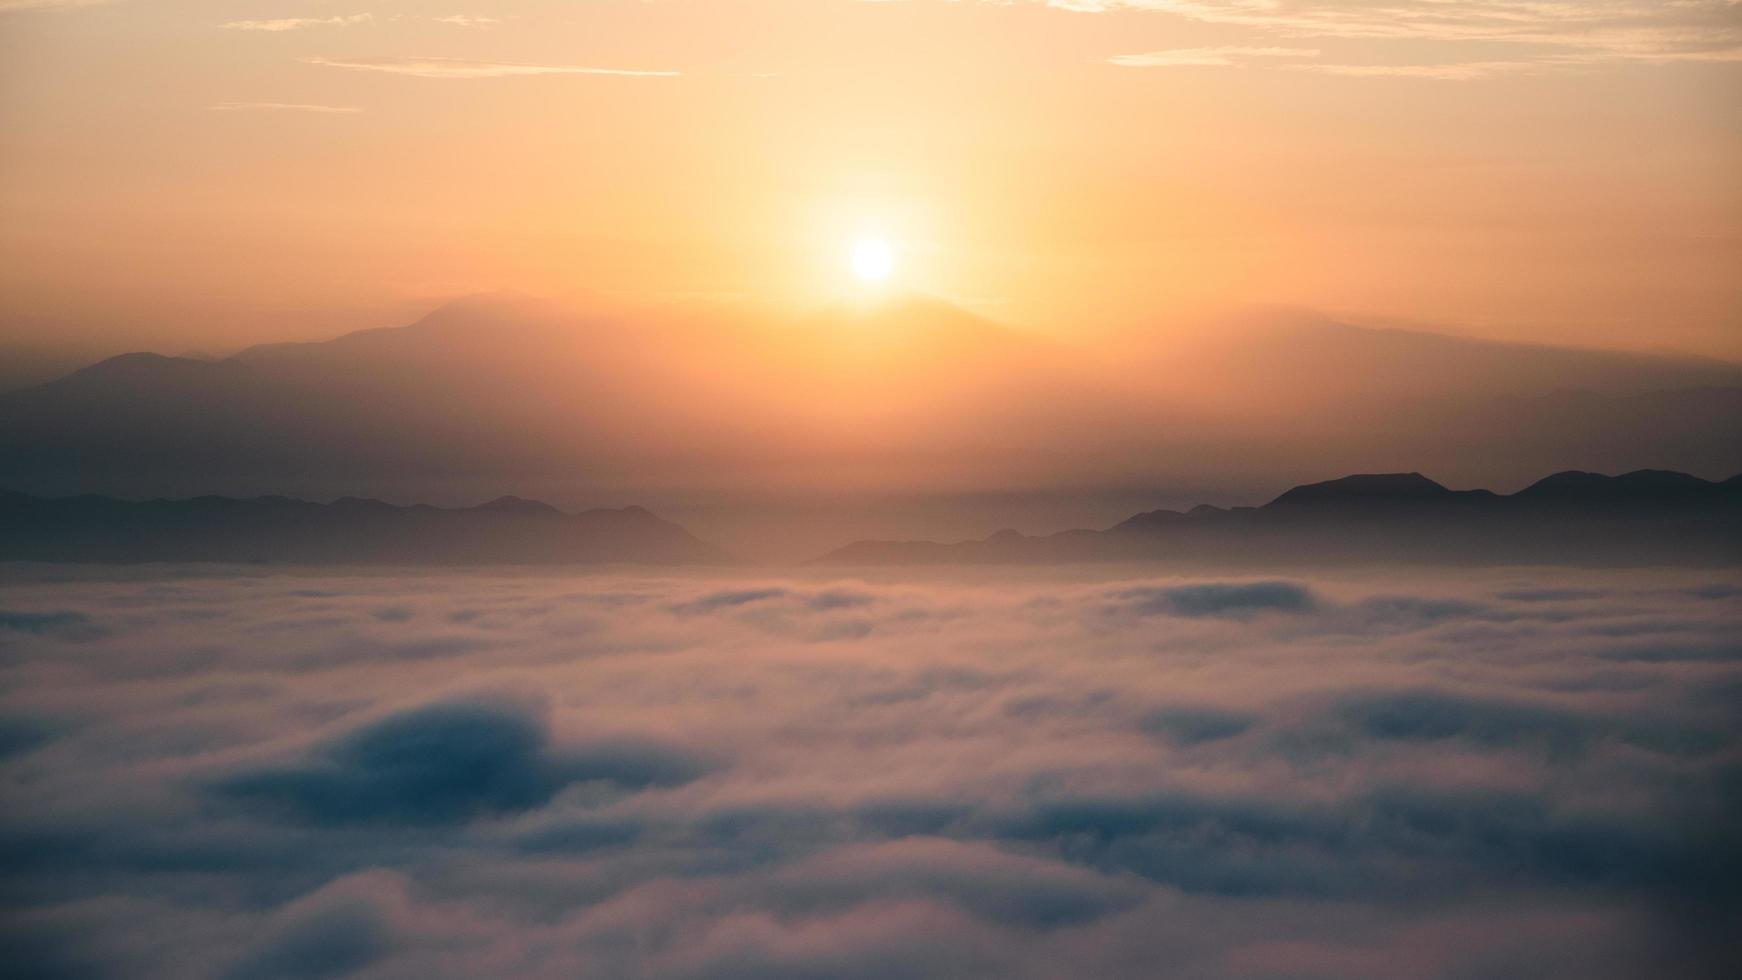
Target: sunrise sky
844, 489
206, 174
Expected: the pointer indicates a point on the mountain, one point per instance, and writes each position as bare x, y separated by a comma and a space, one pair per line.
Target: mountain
1373, 491
495, 390
1641, 488
27, 363
904, 397
1643, 517
507, 530
1289, 391
1320, 360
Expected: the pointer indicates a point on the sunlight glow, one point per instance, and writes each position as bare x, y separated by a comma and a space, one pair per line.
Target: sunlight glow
873, 259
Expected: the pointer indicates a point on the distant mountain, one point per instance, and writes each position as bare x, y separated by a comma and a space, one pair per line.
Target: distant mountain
1320, 360
508, 530
498, 390
23, 364
903, 396
1372, 491
1644, 517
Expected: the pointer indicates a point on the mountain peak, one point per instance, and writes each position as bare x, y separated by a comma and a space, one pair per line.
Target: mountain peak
142, 365
1580, 485
351, 530
1644, 517
1366, 488
361, 503
1664, 479
510, 504
1151, 520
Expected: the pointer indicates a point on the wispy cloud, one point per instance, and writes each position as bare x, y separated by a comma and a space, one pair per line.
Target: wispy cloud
468, 20
1452, 72
1223, 56
298, 23
1547, 34
466, 68
280, 107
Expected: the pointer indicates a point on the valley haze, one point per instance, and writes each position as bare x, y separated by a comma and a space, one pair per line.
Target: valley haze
1648, 517
890, 417
232, 771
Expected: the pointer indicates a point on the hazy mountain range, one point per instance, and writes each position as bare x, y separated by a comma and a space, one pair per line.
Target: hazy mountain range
709, 414
1645, 517
507, 530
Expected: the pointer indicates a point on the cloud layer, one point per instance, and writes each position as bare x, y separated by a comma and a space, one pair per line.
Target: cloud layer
1025, 775
1449, 41
280, 24
1621, 29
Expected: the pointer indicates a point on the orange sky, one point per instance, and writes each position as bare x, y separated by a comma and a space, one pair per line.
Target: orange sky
206, 174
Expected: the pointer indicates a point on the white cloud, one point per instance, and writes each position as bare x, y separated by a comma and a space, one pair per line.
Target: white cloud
298, 23
1548, 33
468, 20
1222, 56
716, 775
1452, 72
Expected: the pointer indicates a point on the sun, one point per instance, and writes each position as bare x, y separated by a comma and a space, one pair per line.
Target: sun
873, 259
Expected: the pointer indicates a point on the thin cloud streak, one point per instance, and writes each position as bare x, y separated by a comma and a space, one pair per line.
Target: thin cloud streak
466, 68
1606, 31
1225, 56
1457, 72
298, 23
467, 20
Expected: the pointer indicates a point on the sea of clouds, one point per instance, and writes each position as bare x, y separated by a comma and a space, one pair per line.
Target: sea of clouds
241, 774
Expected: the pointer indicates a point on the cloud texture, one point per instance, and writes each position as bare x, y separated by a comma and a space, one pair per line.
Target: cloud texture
1471, 39
1024, 775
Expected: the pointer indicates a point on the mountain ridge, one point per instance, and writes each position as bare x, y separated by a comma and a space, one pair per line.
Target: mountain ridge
1641, 516
348, 530
911, 398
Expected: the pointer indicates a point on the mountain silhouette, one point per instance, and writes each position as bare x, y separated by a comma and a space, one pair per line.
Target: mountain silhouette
904, 395
510, 390
1643, 517
1639, 487
508, 530
1321, 360
1373, 490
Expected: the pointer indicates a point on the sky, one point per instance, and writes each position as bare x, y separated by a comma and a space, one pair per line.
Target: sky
196, 175
1396, 775
793, 273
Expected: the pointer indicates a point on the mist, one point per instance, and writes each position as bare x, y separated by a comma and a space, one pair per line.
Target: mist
1044, 773
781, 435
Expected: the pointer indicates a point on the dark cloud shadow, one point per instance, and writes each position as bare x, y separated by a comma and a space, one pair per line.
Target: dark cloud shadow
448, 763
1232, 600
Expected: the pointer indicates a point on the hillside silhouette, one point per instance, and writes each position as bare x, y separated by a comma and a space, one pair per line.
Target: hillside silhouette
907, 395
1574, 517
508, 530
